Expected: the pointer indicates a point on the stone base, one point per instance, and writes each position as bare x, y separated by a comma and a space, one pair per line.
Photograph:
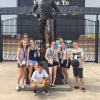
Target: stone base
65, 87
58, 77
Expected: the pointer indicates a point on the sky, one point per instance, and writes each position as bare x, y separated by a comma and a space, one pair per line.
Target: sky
8, 3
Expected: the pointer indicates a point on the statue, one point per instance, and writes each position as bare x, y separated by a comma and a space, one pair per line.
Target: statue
44, 17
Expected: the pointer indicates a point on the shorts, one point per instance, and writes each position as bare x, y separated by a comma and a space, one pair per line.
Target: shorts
38, 85
20, 66
78, 72
32, 62
54, 64
63, 64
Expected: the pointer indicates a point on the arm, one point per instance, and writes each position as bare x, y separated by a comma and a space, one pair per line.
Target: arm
33, 77
57, 51
33, 11
67, 56
46, 76
46, 55
82, 57
38, 52
71, 55
55, 8
28, 52
18, 55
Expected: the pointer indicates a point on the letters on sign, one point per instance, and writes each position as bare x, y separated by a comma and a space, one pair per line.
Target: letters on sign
59, 2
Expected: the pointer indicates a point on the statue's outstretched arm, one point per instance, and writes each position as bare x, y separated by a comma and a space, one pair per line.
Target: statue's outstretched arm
55, 8
35, 6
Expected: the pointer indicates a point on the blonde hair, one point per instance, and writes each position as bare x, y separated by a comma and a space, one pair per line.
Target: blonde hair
20, 45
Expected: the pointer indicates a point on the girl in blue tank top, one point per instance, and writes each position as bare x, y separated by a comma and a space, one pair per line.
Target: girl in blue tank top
32, 57
21, 60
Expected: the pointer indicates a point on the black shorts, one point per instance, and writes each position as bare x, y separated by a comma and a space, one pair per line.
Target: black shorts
54, 64
20, 66
63, 64
78, 72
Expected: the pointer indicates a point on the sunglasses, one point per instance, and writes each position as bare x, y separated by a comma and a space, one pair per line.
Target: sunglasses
25, 37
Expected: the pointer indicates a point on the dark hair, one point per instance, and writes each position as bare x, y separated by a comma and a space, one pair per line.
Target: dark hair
53, 41
75, 41
58, 37
40, 64
24, 35
30, 39
64, 42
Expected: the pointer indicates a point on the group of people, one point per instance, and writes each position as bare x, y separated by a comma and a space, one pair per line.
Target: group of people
57, 56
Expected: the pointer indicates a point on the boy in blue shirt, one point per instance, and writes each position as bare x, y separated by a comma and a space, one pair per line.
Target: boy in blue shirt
58, 45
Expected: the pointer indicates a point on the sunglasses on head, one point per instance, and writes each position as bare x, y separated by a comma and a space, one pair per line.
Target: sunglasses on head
25, 37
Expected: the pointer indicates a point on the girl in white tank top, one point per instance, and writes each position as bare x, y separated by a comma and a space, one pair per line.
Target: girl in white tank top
63, 56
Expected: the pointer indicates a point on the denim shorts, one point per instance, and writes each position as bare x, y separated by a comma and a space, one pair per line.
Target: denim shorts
32, 62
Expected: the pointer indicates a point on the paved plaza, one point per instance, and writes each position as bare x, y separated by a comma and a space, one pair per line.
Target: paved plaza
8, 77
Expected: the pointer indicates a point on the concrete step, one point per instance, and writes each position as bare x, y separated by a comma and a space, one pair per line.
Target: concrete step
65, 87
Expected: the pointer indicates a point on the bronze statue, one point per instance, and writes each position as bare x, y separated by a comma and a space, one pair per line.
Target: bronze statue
44, 17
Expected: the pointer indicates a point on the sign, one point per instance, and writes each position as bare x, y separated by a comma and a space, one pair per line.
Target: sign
59, 2
62, 2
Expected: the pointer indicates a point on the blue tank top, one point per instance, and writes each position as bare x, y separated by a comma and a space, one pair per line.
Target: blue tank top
33, 55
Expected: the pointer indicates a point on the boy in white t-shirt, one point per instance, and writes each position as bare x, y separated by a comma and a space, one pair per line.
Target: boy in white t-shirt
40, 78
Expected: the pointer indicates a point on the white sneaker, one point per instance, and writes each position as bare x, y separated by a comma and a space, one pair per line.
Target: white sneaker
64, 82
34, 93
22, 86
53, 86
46, 93
67, 81
24, 80
17, 87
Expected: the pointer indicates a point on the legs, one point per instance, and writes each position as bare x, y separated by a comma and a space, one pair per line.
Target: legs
54, 75
78, 73
66, 73
76, 81
48, 24
24, 74
63, 72
82, 82
49, 28
50, 73
20, 74
75, 73
42, 31
30, 71
35, 67
46, 85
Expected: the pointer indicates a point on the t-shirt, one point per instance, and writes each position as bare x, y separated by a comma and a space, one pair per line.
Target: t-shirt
77, 54
58, 45
37, 77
